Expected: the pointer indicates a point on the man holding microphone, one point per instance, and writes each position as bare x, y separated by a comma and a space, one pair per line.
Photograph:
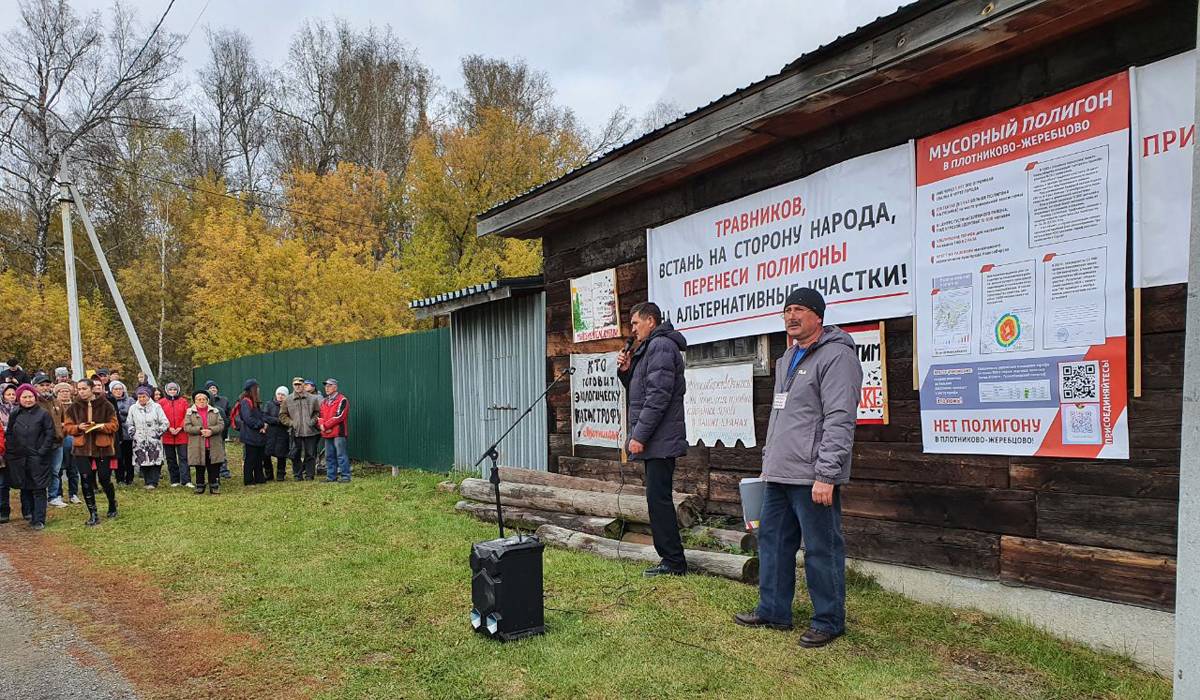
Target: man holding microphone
806, 459
653, 376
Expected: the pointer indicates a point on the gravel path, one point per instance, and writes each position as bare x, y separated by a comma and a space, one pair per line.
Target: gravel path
43, 657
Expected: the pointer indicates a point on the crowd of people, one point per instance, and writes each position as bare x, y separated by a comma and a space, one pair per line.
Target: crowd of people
97, 433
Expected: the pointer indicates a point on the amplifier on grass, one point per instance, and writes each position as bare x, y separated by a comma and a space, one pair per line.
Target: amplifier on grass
506, 588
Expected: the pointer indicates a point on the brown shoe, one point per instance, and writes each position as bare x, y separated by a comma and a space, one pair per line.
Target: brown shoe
751, 619
813, 638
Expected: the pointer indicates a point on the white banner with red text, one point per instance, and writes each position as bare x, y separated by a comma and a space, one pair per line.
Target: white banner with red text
845, 231
1020, 279
1164, 133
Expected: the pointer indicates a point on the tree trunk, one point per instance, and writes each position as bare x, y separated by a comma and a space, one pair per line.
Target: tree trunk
731, 566
570, 501
528, 519
528, 476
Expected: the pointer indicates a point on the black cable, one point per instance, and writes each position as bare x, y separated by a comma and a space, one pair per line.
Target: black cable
266, 205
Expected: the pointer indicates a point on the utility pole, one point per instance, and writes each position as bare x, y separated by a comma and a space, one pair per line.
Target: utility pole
69, 267
1187, 574
143, 363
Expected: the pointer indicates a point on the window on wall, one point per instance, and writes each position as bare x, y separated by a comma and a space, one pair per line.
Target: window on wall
754, 349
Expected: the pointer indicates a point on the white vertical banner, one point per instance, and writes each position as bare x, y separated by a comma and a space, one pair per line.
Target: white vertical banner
1164, 131
597, 401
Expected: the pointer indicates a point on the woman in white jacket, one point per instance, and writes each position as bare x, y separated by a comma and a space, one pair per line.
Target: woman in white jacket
145, 427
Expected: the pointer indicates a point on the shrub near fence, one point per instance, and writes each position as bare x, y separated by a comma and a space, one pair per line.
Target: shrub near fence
401, 408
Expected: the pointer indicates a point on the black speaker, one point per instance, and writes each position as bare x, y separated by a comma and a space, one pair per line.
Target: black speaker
506, 588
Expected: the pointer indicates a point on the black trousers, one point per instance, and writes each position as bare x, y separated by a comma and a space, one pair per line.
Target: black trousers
660, 475
125, 462
177, 466
304, 467
213, 471
33, 505
88, 477
252, 465
280, 468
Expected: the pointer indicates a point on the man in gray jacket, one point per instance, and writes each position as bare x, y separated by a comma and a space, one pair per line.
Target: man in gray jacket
653, 375
300, 412
810, 436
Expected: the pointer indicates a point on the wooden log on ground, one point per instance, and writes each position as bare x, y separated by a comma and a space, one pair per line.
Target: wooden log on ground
742, 541
635, 490
447, 486
737, 567
529, 519
570, 501
638, 538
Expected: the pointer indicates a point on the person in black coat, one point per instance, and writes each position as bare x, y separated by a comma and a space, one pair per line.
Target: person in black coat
252, 430
653, 376
278, 441
29, 441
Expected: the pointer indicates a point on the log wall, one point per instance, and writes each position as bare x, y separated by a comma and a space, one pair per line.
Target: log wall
1104, 529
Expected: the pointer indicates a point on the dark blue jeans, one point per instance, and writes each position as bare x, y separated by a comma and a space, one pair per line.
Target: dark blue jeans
788, 513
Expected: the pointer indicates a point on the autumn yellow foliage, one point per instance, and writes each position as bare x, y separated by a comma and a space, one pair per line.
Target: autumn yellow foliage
36, 332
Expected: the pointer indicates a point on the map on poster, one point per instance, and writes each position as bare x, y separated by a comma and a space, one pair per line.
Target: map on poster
1020, 271
594, 314
597, 401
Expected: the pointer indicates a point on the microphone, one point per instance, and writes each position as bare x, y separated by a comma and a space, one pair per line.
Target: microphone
629, 343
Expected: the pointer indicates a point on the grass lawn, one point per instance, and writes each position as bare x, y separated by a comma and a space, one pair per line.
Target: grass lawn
366, 585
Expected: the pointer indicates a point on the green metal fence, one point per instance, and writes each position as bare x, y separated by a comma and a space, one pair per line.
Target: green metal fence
401, 405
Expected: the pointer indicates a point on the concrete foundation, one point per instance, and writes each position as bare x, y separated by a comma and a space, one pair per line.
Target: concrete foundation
1147, 636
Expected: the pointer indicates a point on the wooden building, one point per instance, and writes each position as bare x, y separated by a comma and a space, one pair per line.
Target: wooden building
1102, 529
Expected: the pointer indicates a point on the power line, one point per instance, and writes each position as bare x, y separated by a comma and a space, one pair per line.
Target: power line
277, 207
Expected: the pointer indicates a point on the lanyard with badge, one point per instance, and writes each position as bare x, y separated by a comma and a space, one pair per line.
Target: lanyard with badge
794, 369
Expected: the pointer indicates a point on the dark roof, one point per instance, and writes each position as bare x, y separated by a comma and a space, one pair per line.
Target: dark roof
462, 298
881, 24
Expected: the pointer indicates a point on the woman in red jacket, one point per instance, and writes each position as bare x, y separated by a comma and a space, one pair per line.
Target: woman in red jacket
175, 440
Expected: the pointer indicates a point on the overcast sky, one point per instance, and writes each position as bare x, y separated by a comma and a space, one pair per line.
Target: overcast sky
598, 54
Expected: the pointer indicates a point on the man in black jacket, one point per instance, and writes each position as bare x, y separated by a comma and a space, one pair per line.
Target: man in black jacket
653, 376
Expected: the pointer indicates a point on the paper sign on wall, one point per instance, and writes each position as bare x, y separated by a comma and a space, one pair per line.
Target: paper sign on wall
1164, 134
719, 405
594, 314
1021, 237
597, 401
873, 403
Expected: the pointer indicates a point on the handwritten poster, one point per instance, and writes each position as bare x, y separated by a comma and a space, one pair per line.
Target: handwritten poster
597, 401
719, 405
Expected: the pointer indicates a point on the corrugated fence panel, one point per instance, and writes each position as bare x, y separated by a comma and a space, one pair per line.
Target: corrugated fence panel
499, 353
401, 410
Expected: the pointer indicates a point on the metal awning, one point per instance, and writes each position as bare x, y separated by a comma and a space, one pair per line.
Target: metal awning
444, 304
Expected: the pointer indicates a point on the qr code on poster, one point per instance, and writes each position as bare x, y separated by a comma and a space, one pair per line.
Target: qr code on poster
1079, 381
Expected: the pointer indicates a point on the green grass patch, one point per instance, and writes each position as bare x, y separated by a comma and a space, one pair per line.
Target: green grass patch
368, 582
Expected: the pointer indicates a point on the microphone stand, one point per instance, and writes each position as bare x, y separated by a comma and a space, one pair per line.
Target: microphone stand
494, 454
